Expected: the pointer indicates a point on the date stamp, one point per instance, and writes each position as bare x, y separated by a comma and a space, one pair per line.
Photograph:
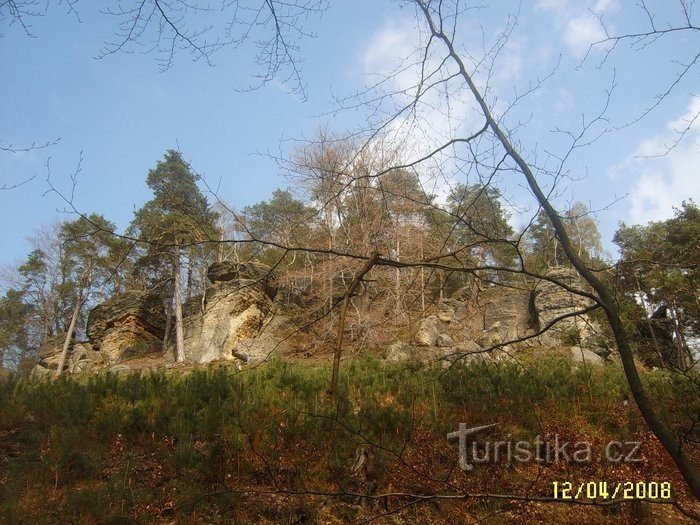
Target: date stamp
613, 490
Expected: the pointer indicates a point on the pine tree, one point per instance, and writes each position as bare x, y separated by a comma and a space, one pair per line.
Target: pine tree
174, 225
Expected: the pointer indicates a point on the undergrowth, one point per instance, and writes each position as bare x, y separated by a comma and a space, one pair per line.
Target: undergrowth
205, 445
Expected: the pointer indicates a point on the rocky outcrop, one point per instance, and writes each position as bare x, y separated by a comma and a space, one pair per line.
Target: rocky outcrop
553, 302
234, 318
429, 328
128, 325
498, 316
80, 358
585, 356
251, 273
49, 353
506, 315
84, 359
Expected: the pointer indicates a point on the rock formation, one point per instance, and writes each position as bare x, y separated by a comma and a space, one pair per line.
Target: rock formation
128, 325
241, 316
552, 301
234, 318
509, 314
506, 314
81, 357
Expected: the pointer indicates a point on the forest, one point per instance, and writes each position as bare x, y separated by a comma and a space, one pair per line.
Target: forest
316, 240
421, 287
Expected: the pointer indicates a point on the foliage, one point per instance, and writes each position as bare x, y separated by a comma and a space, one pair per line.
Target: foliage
148, 446
660, 268
178, 219
76, 267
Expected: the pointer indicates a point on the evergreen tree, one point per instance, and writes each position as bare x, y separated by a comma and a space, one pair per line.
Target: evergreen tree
14, 320
176, 224
660, 267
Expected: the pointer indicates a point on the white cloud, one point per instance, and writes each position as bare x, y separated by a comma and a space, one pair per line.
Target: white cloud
581, 32
664, 180
578, 22
393, 59
396, 41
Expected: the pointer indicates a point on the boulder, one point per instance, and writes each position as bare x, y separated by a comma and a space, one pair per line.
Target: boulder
397, 352
465, 354
255, 272
428, 331
444, 341
551, 301
130, 324
41, 372
84, 359
49, 352
274, 336
585, 356
120, 369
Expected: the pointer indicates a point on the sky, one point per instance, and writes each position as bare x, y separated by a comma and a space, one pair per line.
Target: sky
116, 116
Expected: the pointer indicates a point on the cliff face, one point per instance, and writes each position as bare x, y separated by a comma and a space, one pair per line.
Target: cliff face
234, 310
128, 325
238, 318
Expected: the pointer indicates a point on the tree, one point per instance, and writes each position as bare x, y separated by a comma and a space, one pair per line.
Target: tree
659, 268
444, 68
169, 26
14, 322
438, 19
91, 256
545, 247
282, 220
172, 225
480, 225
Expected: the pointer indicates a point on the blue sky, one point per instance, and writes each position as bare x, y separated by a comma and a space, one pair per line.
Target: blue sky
123, 113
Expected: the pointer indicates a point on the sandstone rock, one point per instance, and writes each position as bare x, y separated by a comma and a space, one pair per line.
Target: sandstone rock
551, 301
235, 311
444, 341
506, 312
127, 325
451, 311
120, 369
465, 354
41, 372
583, 355
397, 352
84, 359
428, 331
274, 337
464, 294
601, 351
259, 273
49, 352
490, 338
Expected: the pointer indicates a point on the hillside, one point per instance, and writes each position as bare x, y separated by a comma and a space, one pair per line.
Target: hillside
244, 431
212, 444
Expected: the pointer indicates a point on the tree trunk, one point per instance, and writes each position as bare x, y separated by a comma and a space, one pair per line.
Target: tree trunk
168, 306
341, 320
69, 333
188, 294
179, 335
397, 285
